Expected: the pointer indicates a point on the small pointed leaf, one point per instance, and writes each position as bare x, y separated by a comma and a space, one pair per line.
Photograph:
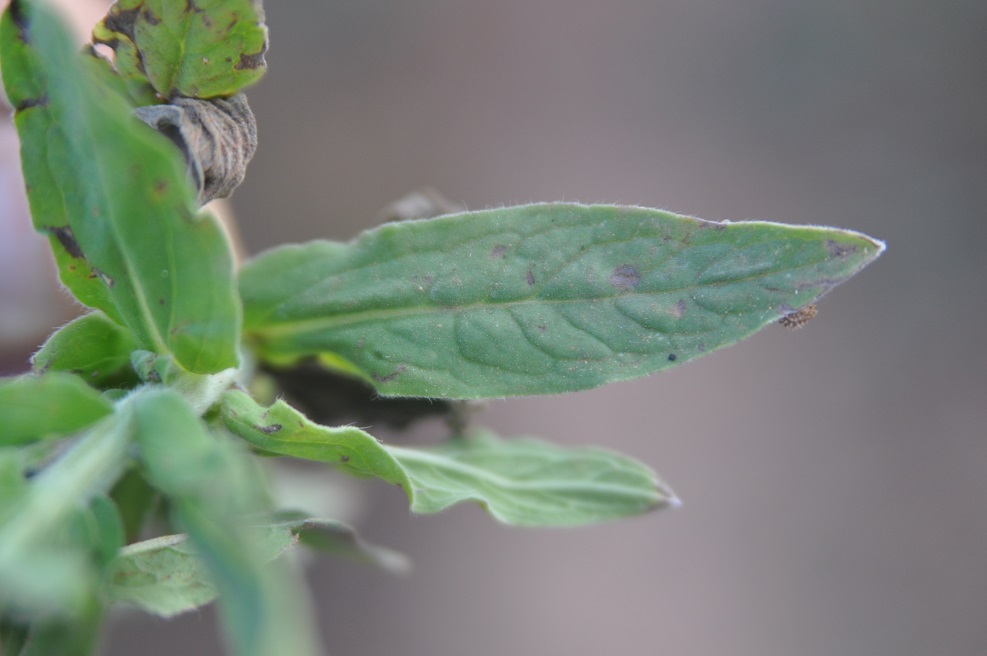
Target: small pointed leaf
92, 346
53, 405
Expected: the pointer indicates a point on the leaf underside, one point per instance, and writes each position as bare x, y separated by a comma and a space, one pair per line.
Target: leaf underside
519, 481
536, 299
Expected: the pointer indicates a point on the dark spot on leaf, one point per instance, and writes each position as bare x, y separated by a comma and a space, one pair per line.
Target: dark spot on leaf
542, 327
836, 249
251, 62
160, 187
498, 251
530, 278
679, 309
672, 357
701, 347
65, 237
191, 7
122, 21
161, 302
798, 318
625, 278
30, 103
344, 458
391, 376
268, 430
149, 17
19, 19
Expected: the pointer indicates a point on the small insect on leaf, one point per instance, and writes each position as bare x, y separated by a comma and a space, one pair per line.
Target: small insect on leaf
799, 317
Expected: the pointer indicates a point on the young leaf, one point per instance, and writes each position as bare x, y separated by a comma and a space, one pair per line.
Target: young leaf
164, 575
111, 194
38, 407
536, 299
39, 572
204, 49
529, 482
283, 430
519, 481
92, 346
212, 487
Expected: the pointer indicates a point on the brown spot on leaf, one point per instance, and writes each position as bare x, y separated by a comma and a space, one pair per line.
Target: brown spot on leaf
498, 251
30, 103
679, 309
65, 237
122, 21
19, 19
625, 278
149, 17
798, 318
391, 376
251, 62
269, 430
836, 249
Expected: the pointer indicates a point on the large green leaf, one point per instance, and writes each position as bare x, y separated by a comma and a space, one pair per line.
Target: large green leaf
212, 488
519, 481
92, 346
536, 299
200, 49
165, 576
53, 405
111, 194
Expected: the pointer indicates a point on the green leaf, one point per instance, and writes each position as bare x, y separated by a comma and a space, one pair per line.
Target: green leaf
165, 576
92, 346
212, 487
113, 198
46, 564
342, 540
519, 481
283, 430
204, 49
56, 404
529, 482
536, 299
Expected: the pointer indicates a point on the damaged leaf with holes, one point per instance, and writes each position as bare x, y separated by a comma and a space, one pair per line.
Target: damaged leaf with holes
187, 48
537, 299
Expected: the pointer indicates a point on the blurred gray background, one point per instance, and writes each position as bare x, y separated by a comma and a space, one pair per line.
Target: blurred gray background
834, 479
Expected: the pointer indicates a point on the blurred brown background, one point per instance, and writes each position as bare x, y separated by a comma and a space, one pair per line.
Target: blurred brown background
834, 480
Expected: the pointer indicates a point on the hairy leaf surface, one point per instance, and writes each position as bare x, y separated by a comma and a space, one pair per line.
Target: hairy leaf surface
92, 346
111, 194
536, 299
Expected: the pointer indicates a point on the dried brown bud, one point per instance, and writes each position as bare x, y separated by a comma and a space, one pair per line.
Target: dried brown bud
218, 138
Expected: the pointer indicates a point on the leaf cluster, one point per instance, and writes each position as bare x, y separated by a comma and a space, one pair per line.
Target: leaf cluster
127, 457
